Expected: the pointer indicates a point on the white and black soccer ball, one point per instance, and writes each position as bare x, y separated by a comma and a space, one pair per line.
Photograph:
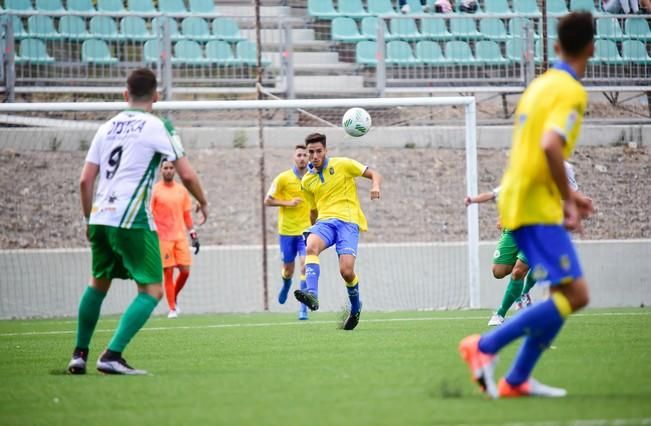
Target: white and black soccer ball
356, 122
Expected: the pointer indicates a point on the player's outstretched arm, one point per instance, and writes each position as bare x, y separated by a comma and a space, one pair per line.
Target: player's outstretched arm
191, 182
481, 198
376, 178
270, 201
86, 183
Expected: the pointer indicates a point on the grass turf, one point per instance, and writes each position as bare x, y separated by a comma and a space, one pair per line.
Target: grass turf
395, 368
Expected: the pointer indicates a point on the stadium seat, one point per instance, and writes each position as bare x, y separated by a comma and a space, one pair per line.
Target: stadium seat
203, 6
429, 52
459, 52
399, 53
366, 53
434, 28
556, 6
247, 53
609, 28
405, 29
73, 28
141, 6
34, 51
18, 27
80, 6
488, 52
637, 28
352, 8
321, 9
370, 26
110, 6
42, 26
97, 52
606, 52
551, 54
345, 30
188, 52
171, 6
516, 27
415, 6
226, 29
194, 28
134, 28
220, 52
464, 28
49, 6
19, 5
104, 27
515, 47
171, 22
525, 6
552, 23
497, 6
381, 7
632, 50
151, 51
587, 5
493, 28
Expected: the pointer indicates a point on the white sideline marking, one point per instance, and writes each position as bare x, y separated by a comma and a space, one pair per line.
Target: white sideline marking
586, 422
296, 322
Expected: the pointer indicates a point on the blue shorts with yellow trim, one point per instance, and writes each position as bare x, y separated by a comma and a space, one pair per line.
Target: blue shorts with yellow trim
344, 235
551, 254
291, 246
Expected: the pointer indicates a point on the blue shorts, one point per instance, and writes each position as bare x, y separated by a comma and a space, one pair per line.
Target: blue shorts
290, 246
344, 235
550, 251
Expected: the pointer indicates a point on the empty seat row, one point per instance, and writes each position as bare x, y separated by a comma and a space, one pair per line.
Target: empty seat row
112, 6
130, 28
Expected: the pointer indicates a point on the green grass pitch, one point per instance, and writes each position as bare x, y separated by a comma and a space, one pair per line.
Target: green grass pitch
399, 368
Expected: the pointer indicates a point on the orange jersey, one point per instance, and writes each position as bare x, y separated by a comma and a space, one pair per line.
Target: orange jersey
168, 205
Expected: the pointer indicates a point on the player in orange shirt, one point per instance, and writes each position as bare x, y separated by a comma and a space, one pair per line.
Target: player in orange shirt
172, 210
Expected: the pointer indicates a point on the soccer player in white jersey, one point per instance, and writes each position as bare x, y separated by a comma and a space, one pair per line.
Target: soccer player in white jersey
125, 155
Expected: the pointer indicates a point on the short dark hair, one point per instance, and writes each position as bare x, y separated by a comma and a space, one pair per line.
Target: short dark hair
300, 146
141, 84
315, 138
575, 32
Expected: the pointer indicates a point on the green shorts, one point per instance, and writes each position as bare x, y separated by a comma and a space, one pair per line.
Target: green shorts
125, 253
507, 252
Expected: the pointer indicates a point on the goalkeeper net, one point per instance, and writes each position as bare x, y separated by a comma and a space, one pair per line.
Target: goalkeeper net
420, 253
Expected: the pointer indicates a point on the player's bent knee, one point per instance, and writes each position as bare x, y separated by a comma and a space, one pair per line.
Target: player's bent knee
154, 290
519, 273
500, 271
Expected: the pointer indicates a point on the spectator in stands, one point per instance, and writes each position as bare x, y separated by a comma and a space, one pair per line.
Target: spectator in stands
443, 6
622, 6
468, 6
405, 8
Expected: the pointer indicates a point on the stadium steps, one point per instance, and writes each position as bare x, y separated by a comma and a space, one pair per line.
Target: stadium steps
328, 85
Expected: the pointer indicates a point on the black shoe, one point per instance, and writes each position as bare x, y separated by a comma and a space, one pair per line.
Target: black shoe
77, 364
307, 298
109, 363
352, 321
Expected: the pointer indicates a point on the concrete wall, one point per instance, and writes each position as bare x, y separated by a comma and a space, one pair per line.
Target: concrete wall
412, 276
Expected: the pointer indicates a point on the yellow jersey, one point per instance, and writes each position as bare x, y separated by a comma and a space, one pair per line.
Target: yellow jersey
554, 101
332, 190
291, 220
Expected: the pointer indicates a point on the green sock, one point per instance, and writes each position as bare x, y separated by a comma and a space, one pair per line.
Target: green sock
89, 308
529, 282
132, 320
513, 291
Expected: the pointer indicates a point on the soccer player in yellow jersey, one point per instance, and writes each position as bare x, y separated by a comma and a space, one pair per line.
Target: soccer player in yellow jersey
331, 193
293, 221
537, 204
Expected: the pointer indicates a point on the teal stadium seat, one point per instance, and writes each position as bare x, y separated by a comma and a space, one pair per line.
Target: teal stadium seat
493, 28
49, 6
134, 28
171, 6
195, 28
415, 6
42, 26
80, 6
73, 27
429, 53
188, 52
226, 29
516, 27
141, 6
434, 28
551, 54
247, 54
587, 5
399, 53
110, 6
464, 28
606, 52
609, 28
321, 9
366, 53
220, 52
152, 51
556, 6
405, 29
97, 52
104, 27
525, 6
515, 50
352, 8
172, 24
552, 23
459, 52
18, 27
632, 50
345, 30
488, 52
380, 7
497, 6
19, 5
370, 26
34, 51
203, 6
637, 28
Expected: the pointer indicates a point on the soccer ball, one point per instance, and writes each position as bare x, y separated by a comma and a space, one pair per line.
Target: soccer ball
356, 122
